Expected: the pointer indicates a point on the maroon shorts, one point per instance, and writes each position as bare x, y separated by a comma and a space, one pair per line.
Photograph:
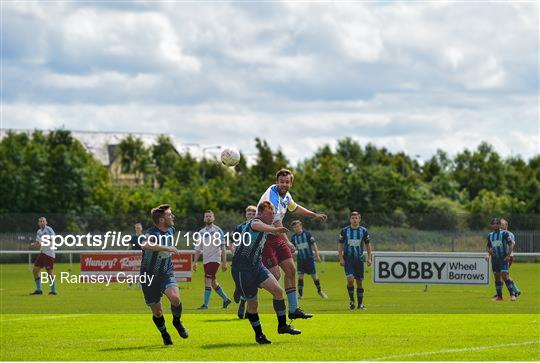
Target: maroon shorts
42, 260
275, 251
210, 270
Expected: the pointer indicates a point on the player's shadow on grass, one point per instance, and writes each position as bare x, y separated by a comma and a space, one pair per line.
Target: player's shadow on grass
220, 320
232, 345
145, 347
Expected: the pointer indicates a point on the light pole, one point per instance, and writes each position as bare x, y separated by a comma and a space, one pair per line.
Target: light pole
217, 147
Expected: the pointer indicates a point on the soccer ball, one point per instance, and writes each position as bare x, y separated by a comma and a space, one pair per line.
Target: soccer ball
230, 157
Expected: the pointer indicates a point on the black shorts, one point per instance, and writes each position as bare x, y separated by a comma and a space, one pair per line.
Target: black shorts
247, 281
354, 267
499, 265
153, 291
306, 266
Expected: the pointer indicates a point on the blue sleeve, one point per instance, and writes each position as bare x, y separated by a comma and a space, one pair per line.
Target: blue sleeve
274, 199
506, 238
489, 245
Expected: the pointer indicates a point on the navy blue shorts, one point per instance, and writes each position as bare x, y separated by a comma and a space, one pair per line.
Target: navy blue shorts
306, 266
354, 268
248, 280
499, 265
154, 291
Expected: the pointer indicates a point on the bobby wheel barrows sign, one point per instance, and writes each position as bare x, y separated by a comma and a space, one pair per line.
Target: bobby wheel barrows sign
431, 268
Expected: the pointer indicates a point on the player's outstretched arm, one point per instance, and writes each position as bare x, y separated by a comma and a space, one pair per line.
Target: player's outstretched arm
263, 227
307, 213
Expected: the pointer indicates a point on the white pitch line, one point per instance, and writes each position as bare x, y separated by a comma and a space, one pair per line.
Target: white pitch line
43, 317
471, 349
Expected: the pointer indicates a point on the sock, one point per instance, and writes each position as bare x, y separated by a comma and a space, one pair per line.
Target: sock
360, 295
317, 284
292, 298
160, 323
498, 288
255, 323
207, 292
221, 293
510, 286
176, 312
350, 290
300, 286
53, 286
38, 284
516, 288
279, 307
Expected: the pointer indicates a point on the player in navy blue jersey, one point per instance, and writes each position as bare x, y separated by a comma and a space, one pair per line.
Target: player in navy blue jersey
249, 272
156, 261
251, 211
504, 227
352, 240
500, 247
306, 254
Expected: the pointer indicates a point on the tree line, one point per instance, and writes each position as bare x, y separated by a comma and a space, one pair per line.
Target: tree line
54, 174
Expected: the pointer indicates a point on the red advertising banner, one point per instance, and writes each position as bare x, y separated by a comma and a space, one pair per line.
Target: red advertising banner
129, 263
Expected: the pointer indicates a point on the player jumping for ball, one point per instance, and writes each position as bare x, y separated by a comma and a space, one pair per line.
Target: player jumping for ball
278, 249
157, 262
249, 273
352, 239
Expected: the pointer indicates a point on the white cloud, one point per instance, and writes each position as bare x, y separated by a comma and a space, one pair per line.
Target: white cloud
408, 76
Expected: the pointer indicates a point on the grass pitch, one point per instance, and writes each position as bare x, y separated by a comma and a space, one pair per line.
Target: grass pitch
94, 322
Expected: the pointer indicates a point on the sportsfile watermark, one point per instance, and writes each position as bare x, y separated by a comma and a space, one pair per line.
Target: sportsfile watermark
66, 277
112, 239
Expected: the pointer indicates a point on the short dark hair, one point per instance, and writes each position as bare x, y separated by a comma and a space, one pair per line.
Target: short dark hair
355, 213
284, 172
495, 220
158, 212
208, 211
295, 222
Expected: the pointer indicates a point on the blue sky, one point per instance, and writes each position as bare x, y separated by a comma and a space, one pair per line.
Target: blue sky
411, 77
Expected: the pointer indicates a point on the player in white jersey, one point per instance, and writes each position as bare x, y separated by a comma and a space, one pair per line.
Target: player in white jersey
212, 247
277, 251
45, 259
